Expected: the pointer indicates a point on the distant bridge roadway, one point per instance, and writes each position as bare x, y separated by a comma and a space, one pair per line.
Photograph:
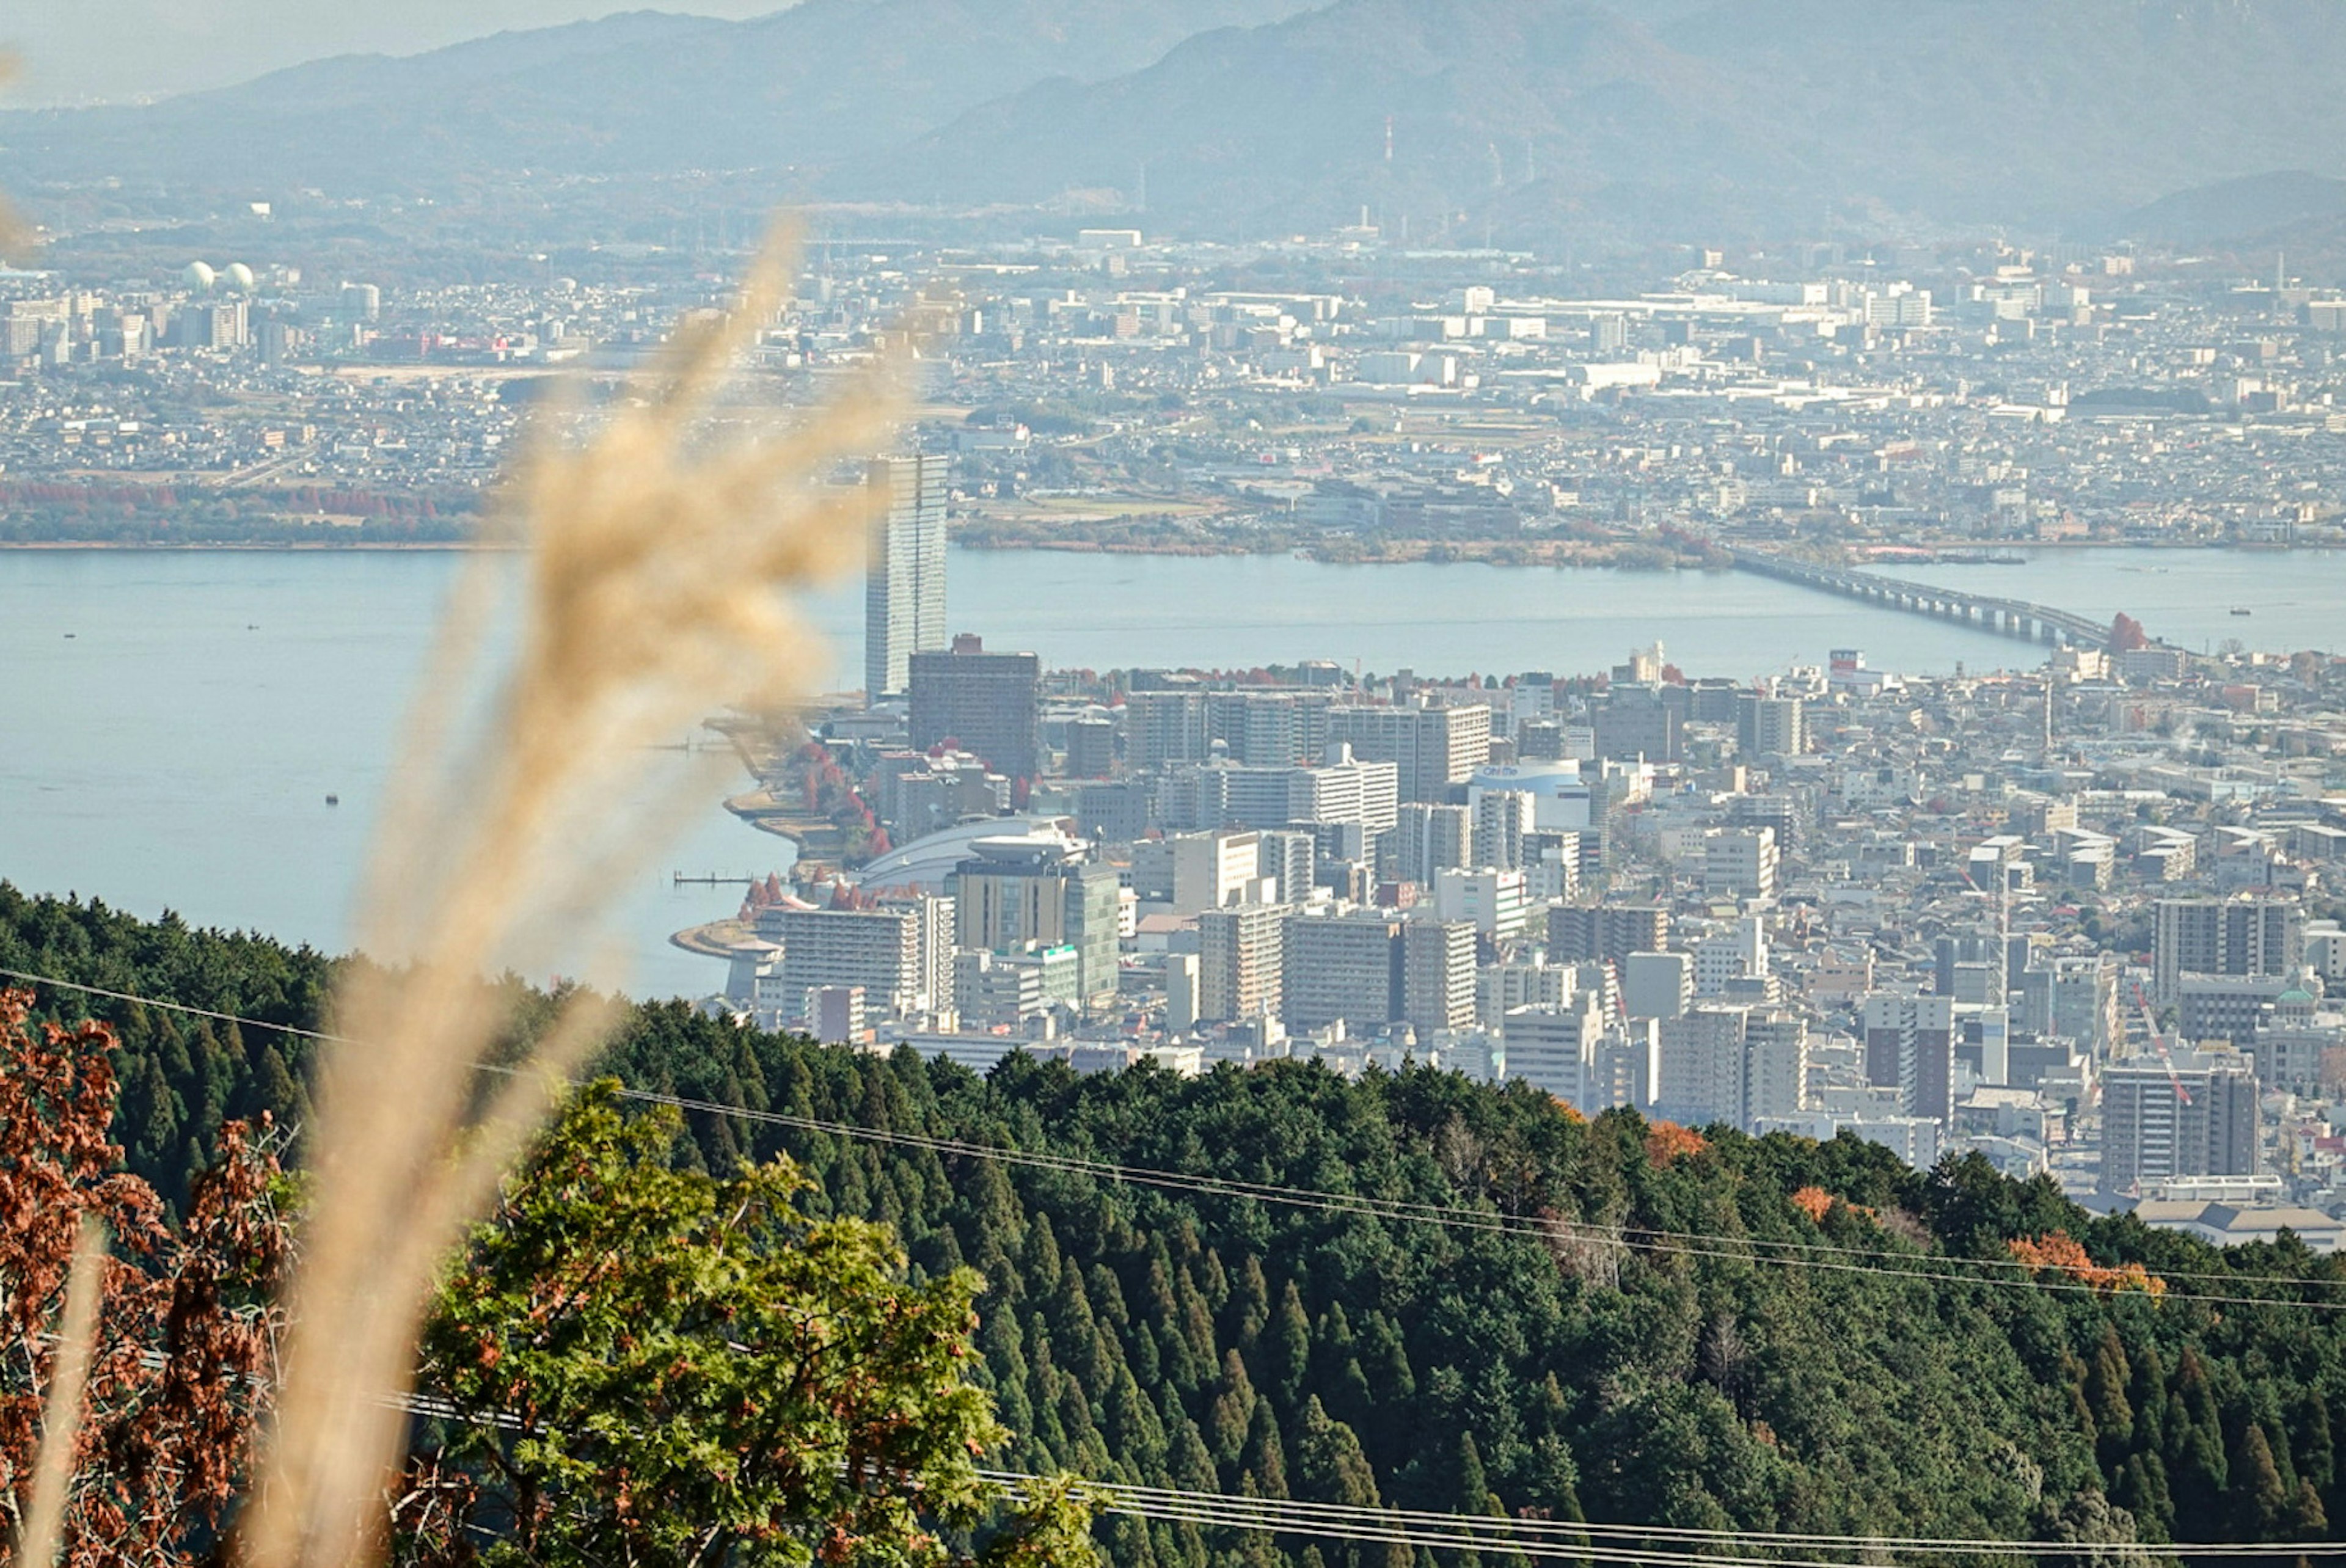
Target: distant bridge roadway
2012, 617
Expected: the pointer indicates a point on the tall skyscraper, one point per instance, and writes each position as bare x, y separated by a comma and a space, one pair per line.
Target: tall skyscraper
904, 590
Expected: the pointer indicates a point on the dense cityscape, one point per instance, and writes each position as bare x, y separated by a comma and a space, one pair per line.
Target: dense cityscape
1948, 914
1348, 395
1375, 784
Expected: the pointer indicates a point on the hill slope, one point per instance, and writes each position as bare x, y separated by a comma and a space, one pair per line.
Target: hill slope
1617, 1322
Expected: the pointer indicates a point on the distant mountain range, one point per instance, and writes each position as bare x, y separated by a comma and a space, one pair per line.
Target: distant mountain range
1535, 116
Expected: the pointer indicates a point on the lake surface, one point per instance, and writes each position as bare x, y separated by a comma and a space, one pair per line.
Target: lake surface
178, 748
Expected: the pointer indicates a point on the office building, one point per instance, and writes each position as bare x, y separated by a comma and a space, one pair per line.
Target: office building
1495, 903
1909, 1046
1091, 747
1021, 894
984, 703
2192, 1115
905, 584
1740, 862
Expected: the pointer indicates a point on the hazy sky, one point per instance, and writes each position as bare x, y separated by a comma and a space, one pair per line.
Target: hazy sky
75, 51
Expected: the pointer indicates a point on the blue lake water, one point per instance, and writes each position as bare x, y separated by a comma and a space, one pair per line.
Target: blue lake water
177, 749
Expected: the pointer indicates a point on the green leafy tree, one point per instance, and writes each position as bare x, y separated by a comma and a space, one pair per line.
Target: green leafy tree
649, 1366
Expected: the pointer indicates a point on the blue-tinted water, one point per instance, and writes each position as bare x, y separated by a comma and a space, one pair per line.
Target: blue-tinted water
177, 749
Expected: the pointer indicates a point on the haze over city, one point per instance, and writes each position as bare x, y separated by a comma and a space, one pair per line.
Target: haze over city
1517, 779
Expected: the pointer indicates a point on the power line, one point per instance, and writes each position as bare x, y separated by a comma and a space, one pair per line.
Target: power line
2015, 1274
1540, 1540
1559, 1538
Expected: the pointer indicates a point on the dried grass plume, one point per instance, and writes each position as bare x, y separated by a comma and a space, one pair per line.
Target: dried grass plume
656, 555
64, 1404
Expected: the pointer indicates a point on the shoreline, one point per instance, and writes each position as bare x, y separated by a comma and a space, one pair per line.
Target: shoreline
1407, 553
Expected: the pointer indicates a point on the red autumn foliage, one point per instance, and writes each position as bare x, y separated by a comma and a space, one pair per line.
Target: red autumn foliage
2059, 1252
183, 1359
1667, 1141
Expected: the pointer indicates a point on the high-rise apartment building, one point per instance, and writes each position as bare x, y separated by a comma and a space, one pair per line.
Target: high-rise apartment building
1163, 724
1551, 1047
1503, 820
2192, 1115
904, 586
1437, 975
1215, 870
1345, 967
1430, 839
1434, 747
1775, 1064
1909, 1046
878, 950
1091, 747
1769, 726
2251, 934
1611, 932
1268, 728
1641, 721
985, 703
1702, 1066
1241, 962
1495, 903
2075, 998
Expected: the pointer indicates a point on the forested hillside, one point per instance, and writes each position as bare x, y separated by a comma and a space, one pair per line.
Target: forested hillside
1609, 1320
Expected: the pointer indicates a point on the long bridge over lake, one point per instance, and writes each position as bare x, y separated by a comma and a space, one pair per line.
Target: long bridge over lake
2011, 618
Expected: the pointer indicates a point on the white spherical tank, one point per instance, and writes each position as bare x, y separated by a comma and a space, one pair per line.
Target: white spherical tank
199, 277
239, 277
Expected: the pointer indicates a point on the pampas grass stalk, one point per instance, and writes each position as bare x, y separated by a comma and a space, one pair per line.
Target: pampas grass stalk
62, 1408
657, 557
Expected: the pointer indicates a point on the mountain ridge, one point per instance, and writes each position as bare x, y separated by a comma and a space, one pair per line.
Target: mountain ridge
1538, 119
